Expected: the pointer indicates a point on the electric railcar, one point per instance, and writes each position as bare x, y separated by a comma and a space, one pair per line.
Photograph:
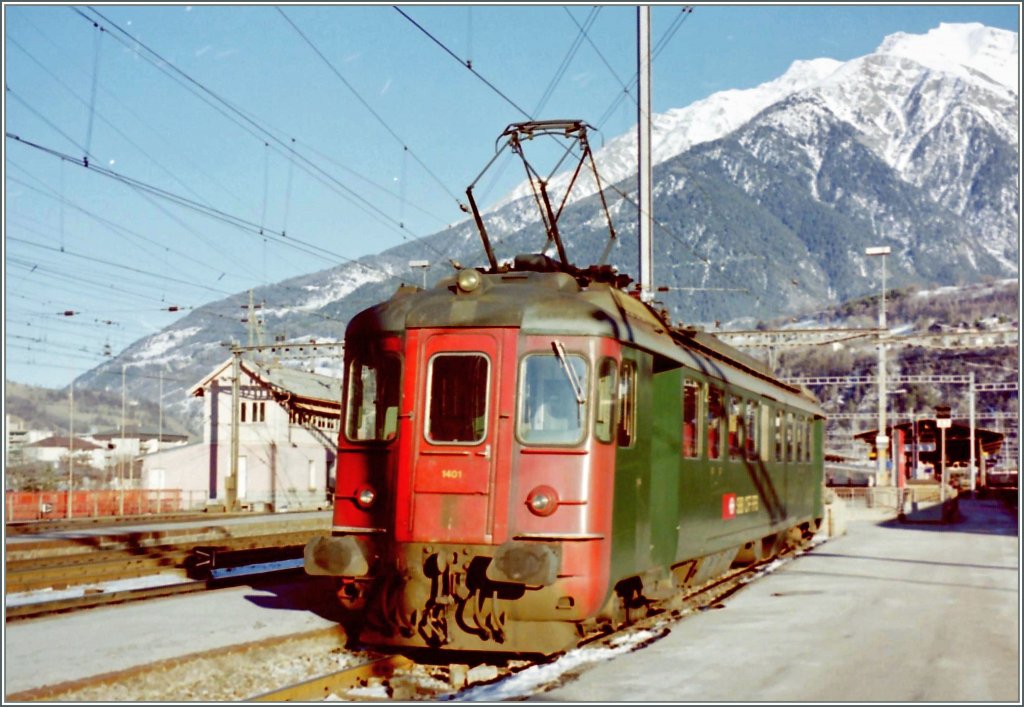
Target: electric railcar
530, 451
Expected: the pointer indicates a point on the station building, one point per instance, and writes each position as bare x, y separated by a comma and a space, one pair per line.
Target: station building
287, 441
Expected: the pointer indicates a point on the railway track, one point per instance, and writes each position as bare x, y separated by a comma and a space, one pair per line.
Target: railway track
319, 665
73, 563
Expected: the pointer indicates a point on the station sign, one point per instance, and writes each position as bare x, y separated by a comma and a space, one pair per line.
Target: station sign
942, 418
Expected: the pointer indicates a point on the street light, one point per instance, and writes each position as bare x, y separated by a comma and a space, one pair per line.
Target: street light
881, 440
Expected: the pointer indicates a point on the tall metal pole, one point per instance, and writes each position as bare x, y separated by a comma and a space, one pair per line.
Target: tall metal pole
232, 488
160, 413
942, 487
71, 446
881, 439
120, 461
970, 403
644, 198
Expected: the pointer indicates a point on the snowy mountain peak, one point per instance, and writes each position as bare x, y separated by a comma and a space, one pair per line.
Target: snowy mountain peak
983, 56
966, 50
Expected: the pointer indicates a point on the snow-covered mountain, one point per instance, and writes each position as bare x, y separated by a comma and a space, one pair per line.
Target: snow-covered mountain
894, 97
765, 199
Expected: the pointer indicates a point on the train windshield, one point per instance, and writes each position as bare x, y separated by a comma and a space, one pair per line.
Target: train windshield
551, 410
373, 387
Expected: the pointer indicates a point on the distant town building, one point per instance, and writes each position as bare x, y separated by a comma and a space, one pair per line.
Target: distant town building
287, 440
54, 450
17, 436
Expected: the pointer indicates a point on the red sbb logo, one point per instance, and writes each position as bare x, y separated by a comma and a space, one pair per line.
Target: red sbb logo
728, 506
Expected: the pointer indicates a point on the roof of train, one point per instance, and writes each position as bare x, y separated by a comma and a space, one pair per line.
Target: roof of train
555, 303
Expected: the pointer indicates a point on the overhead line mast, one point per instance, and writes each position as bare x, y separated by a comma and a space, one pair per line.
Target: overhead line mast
645, 201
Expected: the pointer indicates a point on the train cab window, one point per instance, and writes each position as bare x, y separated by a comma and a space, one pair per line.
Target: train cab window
691, 406
627, 404
715, 415
752, 437
457, 391
809, 432
553, 406
735, 427
604, 407
780, 428
373, 390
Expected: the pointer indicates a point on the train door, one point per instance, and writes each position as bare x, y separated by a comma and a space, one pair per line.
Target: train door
461, 406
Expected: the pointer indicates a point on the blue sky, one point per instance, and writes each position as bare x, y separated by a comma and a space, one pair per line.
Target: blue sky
349, 128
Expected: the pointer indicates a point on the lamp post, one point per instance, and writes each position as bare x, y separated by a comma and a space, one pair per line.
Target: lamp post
881, 440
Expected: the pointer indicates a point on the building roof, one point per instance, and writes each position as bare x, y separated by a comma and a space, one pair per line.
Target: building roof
140, 433
291, 387
64, 443
958, 435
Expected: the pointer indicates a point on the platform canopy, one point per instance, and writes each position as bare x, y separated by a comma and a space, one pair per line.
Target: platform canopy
958, 440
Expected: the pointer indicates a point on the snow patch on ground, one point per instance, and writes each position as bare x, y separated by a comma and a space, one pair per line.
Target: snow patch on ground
538, 676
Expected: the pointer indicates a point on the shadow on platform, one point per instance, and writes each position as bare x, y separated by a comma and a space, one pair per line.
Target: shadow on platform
962, 514
300, 592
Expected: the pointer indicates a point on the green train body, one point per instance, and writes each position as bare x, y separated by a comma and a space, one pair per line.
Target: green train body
459, 525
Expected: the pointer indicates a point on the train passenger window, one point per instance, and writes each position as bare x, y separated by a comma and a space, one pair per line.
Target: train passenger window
457, 391
765, 431
735, 427
373, 389
627, 404
691, 404
550, 411
789, 437
752, 438
798, 438
715, 414
780, 429
809, 431
604, 408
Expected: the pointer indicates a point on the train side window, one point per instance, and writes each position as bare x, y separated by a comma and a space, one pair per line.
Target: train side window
604, 409
808, 437
373, 390
780, 430
735, 427
798, 438
715, 414
627, 404
550, 412
753, 438
457, 398
765, 431
789, 437
691, 406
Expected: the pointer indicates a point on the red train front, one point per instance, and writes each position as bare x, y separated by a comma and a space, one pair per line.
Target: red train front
473, 505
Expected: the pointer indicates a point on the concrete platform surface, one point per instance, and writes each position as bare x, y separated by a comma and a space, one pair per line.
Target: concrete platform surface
888, 612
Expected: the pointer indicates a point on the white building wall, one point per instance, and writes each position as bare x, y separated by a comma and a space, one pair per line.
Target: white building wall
286, 465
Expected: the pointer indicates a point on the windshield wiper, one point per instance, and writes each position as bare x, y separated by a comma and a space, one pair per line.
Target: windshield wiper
574, 381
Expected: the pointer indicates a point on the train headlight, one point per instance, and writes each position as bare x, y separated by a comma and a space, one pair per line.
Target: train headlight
468, 280
542, 501
365, 497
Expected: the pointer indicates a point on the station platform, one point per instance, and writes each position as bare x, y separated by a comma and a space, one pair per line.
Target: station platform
912, 610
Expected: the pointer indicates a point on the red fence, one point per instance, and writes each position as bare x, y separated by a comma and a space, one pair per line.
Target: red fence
40, 505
